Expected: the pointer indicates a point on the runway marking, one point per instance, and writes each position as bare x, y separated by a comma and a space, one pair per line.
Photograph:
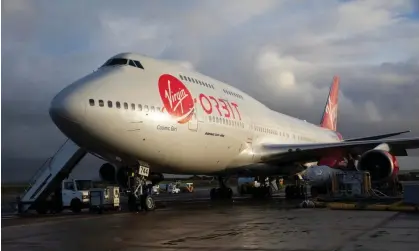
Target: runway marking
8, 217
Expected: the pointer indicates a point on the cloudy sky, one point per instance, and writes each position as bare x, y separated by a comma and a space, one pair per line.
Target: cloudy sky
284, 53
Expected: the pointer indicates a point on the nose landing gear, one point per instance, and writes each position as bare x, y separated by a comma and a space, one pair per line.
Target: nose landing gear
138, 197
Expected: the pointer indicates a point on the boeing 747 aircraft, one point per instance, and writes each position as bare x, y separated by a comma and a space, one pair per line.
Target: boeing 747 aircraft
147, 117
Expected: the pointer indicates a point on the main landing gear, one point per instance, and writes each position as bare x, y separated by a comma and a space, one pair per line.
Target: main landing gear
263, 190
139, 197
223, 192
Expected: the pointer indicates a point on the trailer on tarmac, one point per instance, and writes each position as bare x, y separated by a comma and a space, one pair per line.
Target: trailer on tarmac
103, 199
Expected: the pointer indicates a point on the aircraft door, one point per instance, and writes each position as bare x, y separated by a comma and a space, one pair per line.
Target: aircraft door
193, 123
196, 118
249, 135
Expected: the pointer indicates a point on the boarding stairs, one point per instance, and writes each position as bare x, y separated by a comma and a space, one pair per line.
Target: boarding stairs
51, 174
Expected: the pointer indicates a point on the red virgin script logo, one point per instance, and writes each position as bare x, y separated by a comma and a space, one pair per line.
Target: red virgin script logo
177, 99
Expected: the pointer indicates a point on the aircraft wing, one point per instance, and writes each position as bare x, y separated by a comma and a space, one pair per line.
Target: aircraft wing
313, 152
381, 136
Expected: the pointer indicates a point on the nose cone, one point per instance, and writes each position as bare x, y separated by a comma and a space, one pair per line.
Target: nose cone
68, 106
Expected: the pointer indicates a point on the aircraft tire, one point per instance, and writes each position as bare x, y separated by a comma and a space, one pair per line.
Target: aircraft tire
147, 203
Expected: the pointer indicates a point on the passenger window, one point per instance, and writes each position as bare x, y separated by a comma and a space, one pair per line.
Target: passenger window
118, 105
109, 104
158, 109
189, 79
125, 105
181, 77
140, 107
218, 120
91, 102
152, 109
132, 106
100, 103
146, 108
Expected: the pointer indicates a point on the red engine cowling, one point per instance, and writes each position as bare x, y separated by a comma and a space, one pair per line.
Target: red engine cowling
380, 164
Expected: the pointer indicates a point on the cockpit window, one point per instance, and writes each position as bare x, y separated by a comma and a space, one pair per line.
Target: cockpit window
139, 65
131, 63
117, 61
123, 61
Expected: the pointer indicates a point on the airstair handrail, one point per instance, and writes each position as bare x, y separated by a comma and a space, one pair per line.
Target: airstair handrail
35, 177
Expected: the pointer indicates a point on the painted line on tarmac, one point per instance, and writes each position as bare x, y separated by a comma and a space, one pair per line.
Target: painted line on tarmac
8, 216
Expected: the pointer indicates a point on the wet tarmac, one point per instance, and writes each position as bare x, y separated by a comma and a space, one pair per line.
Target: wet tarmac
236, 225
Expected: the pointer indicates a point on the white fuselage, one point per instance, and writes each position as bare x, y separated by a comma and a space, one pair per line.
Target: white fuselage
124, 113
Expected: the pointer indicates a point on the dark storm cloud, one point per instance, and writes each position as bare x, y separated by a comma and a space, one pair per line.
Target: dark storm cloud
281, 52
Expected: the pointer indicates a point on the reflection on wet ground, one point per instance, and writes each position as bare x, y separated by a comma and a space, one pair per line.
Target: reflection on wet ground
208, 226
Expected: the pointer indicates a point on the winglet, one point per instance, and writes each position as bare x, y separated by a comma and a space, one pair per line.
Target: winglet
330, 114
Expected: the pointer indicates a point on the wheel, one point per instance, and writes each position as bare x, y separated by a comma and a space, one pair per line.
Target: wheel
147, 203
75, 205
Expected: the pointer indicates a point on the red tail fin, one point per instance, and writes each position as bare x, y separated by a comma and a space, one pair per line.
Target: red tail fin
330, 114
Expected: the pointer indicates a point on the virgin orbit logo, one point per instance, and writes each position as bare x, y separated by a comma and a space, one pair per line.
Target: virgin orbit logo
177, 99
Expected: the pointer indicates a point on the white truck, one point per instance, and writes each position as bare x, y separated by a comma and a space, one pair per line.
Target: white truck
75, 194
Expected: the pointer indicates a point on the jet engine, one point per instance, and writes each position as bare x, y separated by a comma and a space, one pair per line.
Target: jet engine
113, 175
380, 164
156, 178
107, 173
119, 175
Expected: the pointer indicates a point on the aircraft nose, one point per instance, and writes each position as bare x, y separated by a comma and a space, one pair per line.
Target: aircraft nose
67, 105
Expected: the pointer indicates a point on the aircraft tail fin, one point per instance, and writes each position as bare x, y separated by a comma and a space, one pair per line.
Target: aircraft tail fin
330, 113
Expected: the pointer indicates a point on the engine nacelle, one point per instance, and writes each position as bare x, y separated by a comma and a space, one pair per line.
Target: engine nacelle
119, 176
380, 164
107, 173
114, 175
156, 178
